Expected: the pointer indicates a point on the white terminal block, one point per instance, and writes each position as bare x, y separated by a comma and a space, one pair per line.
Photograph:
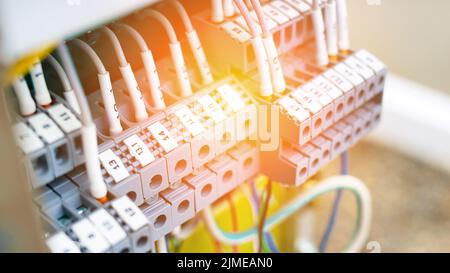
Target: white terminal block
109, 102
130, 214
61, 243
41, 92
275, 15
180, 69
108, 226
265, 82
294, 109
326, 101
163, 136
113, 165
271, 24
361, 68
89, 237
139, 150
46, 128
334, 93
26, 139
190, 121
355, 79
66, 120
314, 107
370, 60
134, 92
299, 5
200, 57
231, 97
236, 32
286, 9
212, 109
345, 86
153, 80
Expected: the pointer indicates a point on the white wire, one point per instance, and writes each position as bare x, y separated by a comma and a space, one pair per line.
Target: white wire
305, 221
72, 74
228, 8
69, 95
149, 66
217, 15
343, 31
97, 186
115, 127
181, 233
128, 76
161, 245
27, 106
319, 34
41, 93
328, 185
194, 43
175, 52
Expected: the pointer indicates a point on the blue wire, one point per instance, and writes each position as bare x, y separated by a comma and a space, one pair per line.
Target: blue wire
267, 235
332, 221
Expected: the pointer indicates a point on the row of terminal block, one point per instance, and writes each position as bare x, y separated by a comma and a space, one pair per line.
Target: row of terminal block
288, 20
75, 222
156, 154
326, 111
49, 142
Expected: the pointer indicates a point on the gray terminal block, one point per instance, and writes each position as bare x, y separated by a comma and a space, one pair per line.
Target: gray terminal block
247, 156
134, 222
225, 134
325, 148
376, 65
287, 165
295, 121
69, 123
182, 201
226, 170
36, 157
159, 215
60, 151
154, 178
347, 133
179, 162
337, 140
356, 80
204, 184
315, 157
45, 197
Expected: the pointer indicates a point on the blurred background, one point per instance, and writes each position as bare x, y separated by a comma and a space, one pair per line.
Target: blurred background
406, 161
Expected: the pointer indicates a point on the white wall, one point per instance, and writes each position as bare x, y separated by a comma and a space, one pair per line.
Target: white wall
411, 36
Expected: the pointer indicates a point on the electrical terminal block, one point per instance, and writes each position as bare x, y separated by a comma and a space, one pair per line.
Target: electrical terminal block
159, 215
134, 222
289, 22
204, 184
182, 203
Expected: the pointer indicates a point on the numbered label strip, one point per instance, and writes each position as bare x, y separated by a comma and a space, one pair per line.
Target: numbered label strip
113, 165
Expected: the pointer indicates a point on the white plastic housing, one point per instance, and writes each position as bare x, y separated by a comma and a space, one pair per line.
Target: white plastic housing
200, 57
109, 102
135, 93
97, 186
41, 92
26, 103
180, 69
331, 28
343, 32
278, 81
153, 79
319, 33
263, 67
